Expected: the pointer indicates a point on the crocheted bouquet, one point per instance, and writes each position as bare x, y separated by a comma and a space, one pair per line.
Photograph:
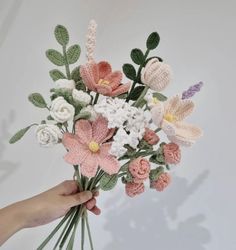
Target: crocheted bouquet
110, 130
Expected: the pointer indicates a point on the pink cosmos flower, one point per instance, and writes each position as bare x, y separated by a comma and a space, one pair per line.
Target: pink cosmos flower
99, 77
132, 189
162, 182
151, 137
172, 153
139, 169
89, 149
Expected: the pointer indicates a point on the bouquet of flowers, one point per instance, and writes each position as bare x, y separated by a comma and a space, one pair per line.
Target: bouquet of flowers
111, 130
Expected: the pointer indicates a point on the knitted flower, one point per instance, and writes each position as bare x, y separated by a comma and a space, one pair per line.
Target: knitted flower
64, 84
89, 149
132, 189
61, 111
170, 115
172, 153
48, 134
156, 75
151, 137
99, 77
162, 182
139, 169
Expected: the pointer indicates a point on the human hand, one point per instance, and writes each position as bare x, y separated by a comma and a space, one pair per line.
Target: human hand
55, 203
44, 208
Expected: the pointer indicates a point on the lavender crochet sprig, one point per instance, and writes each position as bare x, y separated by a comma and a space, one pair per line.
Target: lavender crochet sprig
192, 91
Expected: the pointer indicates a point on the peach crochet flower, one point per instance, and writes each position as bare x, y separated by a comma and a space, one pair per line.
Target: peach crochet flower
151, 137
132, 189
170, 115
88, 147
162, 182
139, 169
99, 77
172, 153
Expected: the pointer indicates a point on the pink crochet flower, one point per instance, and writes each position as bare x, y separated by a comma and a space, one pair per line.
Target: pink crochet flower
172, 153
139, 169
132, 189
151, 137
88, 147
99, 77
162, 182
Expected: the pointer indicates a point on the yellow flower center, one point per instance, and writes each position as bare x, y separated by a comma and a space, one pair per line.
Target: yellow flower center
155, 100
169, 117
103, 82
93, 146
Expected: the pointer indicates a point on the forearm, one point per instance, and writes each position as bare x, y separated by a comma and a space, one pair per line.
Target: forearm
11, 221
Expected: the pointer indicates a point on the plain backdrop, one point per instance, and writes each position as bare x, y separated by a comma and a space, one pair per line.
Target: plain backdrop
198, 40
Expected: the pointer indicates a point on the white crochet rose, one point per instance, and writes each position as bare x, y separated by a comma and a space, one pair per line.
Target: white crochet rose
48, 134
64, 84
156, 75
61, 110
81, 96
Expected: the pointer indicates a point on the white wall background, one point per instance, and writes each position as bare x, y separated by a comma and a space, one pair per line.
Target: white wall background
198, 39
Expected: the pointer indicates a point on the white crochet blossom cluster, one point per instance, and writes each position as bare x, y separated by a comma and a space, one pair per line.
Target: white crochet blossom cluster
129, 120
91, 40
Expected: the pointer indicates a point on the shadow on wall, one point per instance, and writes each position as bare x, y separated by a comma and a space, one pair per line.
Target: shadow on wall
151, 220
9, 19
6, 167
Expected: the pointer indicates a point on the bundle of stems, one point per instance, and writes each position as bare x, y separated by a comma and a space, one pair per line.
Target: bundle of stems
77, 215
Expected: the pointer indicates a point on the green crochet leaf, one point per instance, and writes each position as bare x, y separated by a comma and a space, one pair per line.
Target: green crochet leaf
137, 56
75, 74
17, 136
160, 96
108, 182
153, 41
136, 93
155, 173
129, 71
56, 74
73, 53
83, 115
61, 35
37, 100
55, 57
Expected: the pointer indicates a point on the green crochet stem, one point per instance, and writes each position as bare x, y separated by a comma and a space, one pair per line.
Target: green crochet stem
66, 63
140, 99
138, 76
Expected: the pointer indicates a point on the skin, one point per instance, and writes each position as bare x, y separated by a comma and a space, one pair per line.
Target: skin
44, 208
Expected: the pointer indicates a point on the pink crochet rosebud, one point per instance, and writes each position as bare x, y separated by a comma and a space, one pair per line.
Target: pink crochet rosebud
132, 189
151, 137
139, 169
162, 182
172, 153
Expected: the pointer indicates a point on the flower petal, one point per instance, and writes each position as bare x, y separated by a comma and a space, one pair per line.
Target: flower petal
77, 151
172, 104
185, 109
168, 128
157, 112
114, 79
104, 69
104, 89
90, 165
89, 74
123, 88
109, 164
105, 148
83, 130
100, 129
186, 134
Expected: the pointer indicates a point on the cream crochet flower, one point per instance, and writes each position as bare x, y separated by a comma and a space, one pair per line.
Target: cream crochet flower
170, 115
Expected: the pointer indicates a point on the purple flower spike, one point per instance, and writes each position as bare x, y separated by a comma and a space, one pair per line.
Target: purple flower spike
192, 91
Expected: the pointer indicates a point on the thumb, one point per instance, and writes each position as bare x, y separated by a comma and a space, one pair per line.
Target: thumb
78, 198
